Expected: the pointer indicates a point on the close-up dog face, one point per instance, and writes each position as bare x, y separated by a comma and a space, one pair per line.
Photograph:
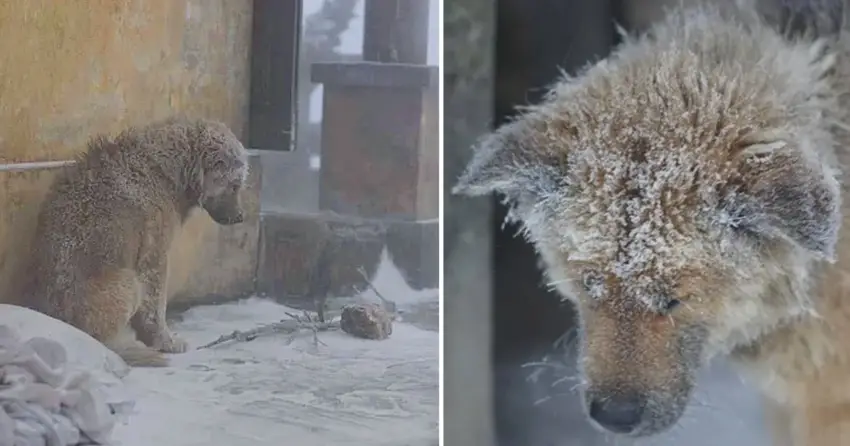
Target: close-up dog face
223, 173
678, 212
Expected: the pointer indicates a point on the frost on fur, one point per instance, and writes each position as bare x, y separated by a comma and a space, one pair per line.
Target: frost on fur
788, 197
518, 163
595, 128
681, 193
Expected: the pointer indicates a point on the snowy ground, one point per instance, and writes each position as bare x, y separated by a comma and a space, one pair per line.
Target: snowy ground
267, 392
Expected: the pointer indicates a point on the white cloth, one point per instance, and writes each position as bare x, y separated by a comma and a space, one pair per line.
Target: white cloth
48, 398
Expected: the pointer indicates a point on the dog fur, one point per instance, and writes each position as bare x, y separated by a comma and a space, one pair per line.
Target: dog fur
100, 252
688, 194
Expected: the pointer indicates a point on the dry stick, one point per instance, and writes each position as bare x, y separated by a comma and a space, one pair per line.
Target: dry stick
319, 319
298, 324
294, 326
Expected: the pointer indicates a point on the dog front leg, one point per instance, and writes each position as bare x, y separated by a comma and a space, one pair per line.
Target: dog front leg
149, 320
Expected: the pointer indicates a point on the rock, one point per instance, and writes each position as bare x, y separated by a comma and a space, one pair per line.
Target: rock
368, 321
83, 352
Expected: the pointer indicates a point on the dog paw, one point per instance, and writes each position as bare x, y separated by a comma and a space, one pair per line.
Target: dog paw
172, 344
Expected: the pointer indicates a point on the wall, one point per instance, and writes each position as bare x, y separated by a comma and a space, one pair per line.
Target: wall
77, 68
468, 107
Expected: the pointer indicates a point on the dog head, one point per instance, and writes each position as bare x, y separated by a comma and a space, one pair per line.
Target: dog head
222, 172
677, 196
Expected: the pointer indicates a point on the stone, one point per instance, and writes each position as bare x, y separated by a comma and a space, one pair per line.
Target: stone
368, 321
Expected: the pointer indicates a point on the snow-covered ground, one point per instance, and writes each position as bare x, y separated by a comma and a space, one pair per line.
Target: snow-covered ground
267, 392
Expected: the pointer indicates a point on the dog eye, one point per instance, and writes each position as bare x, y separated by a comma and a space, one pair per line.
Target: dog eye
672, 304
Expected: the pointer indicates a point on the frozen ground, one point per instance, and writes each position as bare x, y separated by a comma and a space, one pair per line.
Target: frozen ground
267, 392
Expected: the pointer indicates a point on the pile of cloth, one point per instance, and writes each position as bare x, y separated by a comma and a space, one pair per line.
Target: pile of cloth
45, 400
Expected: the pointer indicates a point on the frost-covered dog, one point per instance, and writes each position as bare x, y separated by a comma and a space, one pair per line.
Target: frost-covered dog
100, 259
686, 194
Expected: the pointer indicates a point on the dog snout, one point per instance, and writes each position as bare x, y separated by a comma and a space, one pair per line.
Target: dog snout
618, 414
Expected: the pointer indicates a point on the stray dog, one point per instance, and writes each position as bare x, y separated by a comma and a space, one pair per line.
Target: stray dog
100, 251
686, 194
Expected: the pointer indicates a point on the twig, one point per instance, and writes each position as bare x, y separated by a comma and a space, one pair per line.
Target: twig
388, 305
294, 326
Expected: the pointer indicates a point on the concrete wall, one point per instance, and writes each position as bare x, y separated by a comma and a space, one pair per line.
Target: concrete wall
72, 69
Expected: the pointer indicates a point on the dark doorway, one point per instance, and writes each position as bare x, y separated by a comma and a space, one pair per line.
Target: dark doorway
274, 66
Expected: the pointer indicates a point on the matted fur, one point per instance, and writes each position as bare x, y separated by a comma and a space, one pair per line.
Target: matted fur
100, 250
686, 194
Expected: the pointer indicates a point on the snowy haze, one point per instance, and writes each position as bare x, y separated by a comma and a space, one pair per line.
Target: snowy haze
351, 42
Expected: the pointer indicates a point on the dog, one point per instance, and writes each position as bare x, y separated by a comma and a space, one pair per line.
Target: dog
99, 258
687, 194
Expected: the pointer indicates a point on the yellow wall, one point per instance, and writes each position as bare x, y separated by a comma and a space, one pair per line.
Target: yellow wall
70, 69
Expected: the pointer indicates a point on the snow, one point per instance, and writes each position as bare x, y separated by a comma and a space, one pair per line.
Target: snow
389, 281
346, 391
270, 392
265, 392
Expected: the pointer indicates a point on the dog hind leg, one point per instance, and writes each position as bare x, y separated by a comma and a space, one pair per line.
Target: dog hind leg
110, 301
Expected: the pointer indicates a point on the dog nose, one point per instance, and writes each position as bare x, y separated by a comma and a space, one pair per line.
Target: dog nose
620, 415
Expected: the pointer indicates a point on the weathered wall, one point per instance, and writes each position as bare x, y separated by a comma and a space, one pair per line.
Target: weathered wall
78, 68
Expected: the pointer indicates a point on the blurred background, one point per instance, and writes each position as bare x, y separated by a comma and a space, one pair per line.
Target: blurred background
508, 355
353, 177
331, 31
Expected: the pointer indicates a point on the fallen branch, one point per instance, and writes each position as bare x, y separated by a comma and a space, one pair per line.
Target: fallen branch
295, 326
361, 321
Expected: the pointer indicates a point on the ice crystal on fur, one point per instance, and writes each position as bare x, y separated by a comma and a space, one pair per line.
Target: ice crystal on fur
696, 165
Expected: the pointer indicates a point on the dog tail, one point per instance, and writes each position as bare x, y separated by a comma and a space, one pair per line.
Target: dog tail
135, 354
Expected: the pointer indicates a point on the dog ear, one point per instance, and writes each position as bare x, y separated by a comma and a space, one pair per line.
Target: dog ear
792, 197
516, 161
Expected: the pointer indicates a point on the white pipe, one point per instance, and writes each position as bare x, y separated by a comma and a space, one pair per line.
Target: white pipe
17, 167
